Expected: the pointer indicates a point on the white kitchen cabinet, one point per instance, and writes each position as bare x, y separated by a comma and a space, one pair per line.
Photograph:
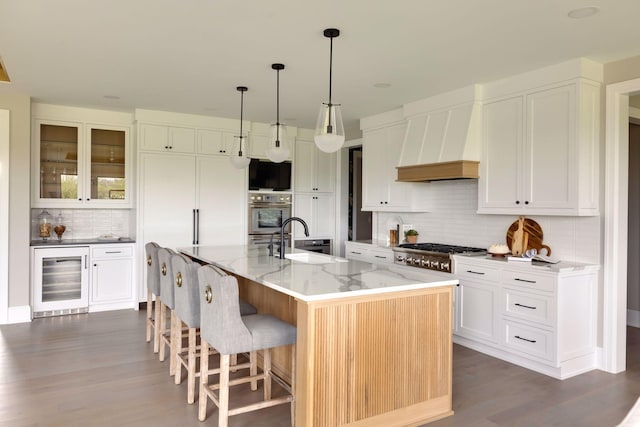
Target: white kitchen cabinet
368, 252
172, 139
188, 200
314, 169
540, 318
540, 153
215, 142
112, 270
478, 305
78, 164
380, 155
318, 211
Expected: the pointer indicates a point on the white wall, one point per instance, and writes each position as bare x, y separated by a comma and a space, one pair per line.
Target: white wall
453, 220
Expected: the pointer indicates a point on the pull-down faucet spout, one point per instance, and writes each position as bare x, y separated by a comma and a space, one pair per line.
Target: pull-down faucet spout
284, 224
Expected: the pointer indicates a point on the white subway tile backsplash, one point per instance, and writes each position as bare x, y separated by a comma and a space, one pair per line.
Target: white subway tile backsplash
88, 223
453, 219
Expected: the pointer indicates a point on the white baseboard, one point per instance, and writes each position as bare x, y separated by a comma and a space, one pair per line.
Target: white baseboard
19, 314
633, 318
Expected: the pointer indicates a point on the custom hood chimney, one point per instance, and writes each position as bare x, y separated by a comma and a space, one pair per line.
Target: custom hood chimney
443, 136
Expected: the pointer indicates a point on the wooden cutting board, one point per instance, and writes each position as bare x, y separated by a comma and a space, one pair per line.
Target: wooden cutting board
534, 231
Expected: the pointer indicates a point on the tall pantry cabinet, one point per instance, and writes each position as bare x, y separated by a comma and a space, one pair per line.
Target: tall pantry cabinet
189, 192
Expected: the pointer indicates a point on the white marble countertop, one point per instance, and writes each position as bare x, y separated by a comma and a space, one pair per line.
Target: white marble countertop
502, 262
337, 278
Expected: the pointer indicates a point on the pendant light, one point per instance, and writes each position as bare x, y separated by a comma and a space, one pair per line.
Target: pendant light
279, 151
239, 156
329, 135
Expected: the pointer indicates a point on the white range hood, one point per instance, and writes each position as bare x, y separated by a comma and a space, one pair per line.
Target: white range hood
443, 137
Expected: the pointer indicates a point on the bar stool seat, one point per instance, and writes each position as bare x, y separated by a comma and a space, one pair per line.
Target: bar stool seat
187, 309
223, 327
153, 289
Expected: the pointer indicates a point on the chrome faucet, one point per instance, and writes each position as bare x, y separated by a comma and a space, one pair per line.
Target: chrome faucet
284, 224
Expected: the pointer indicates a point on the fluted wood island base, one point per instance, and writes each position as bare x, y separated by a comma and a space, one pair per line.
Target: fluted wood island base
363, 358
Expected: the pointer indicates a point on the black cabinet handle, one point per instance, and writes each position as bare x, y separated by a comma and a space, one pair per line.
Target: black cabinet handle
517, 202
526, 202
524, 339
193, 228
525, 306
197, 226
356, 253
525, 280
476, 272
380, 256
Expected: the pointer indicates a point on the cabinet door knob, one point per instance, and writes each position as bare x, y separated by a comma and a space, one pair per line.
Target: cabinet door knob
526, 202
517, 202
166, 147
88, 200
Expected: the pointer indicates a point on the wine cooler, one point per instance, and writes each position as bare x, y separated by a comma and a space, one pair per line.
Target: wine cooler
61, 281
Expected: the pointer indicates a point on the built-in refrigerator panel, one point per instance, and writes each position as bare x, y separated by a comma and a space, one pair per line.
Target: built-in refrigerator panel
61, 281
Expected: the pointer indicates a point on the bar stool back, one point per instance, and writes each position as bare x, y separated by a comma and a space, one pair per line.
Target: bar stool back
223, 327
153, 289
167, 291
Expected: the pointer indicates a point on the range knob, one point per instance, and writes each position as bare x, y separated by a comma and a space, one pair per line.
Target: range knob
400, 258
416, 261
445, 266
409, 260
434, 264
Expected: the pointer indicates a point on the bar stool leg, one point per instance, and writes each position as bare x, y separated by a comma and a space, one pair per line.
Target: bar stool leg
157, 327
163, 329
267, 372
191, 366
175, 335
204, 379
223, 395
253, 369
149, 314
293, 385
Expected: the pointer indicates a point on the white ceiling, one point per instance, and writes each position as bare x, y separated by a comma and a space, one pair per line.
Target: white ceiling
189, 55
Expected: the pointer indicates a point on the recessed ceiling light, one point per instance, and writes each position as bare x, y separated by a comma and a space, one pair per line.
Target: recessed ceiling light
111, 97
382, 85
583, 12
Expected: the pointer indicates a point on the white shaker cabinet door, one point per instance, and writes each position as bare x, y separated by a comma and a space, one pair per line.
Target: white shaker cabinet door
222, 202
167, 199
502, 132
551, 163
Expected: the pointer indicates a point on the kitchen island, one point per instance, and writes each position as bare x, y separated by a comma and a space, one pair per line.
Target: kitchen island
374, 342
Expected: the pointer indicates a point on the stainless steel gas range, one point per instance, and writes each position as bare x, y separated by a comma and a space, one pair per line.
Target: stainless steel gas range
430, 256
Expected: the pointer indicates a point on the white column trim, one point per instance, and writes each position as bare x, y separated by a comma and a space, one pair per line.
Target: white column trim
615, 225
4, 216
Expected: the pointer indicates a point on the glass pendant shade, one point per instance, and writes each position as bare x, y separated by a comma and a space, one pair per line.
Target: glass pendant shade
329, 135
279, 149
240, 153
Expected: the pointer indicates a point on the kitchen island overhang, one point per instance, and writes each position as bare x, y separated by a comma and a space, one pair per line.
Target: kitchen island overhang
374, 341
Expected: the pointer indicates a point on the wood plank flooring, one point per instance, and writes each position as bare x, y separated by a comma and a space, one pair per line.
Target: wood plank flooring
97, 370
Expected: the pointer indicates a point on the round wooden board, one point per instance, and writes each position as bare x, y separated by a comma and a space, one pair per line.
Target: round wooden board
535, 235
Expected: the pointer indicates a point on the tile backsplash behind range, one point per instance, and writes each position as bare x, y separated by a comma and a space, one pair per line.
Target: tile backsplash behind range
87, 223
453, 219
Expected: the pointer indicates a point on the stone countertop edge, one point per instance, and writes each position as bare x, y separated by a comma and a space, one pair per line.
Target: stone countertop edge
69, 242
560, 267
326, 281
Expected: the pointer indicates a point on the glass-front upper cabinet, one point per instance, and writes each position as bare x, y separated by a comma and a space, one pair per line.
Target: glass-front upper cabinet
81, 165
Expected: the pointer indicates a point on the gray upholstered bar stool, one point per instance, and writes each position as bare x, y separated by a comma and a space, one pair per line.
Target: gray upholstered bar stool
167, 302
222, 327
187, 308
153, 289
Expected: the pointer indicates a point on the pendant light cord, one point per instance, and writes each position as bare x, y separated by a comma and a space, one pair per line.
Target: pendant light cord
277, 108
330, 73
241, 108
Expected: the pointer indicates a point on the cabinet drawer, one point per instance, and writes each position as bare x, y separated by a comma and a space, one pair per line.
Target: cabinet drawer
356, 253
475, 272
526, 306
529, 280
530, 340
379, 256
112, 252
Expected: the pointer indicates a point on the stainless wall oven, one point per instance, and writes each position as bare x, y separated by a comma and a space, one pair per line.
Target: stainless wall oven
267, 211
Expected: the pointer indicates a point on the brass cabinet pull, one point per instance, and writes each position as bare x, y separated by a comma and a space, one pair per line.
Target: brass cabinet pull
179, 279
208, 295
164, 269
149, 261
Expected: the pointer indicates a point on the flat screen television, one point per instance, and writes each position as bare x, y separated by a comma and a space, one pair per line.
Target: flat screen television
264, 174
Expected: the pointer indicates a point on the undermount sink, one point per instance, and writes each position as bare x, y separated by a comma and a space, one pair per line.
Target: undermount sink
311, 258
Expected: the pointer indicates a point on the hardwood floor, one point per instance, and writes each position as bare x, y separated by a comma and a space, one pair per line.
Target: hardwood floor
97, 370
